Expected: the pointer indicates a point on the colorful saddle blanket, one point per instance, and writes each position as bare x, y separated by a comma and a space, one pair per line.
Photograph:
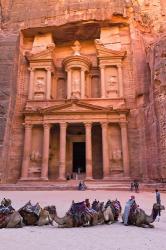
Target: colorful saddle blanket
29, 208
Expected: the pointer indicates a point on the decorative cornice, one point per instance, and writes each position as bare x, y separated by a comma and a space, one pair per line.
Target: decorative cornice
76, 61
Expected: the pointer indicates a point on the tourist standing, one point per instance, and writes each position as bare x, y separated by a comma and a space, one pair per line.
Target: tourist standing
158, 199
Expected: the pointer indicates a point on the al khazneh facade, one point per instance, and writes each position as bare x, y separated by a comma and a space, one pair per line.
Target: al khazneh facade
83, 90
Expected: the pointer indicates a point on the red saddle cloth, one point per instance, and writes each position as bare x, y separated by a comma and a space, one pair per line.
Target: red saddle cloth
3, 218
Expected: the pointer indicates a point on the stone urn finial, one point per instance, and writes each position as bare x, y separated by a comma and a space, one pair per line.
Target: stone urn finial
76, 48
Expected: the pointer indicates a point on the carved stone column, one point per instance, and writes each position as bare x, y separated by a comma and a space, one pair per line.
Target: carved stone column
62, 167
88, 132
120, 81
45, 160
103, 90
106, 170
48, 92
31, 83
82, 84
125, 150
27, 151
69, 84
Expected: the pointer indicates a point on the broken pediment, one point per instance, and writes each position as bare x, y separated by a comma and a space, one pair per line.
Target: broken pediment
103, 52
45, 55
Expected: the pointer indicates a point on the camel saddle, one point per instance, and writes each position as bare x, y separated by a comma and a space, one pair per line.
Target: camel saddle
32, 209
116, 208
4, 213
77, 208
6, 210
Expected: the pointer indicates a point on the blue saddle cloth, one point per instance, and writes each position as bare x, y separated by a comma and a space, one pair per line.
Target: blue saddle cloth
6, 210
29, 208
77, 208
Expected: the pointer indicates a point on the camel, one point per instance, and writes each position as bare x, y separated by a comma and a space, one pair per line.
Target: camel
112, 211
9, 218
141, 219
70, 220
34, 215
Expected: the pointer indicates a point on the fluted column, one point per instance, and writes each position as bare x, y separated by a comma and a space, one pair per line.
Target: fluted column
62, 167
45, 159
48, 91
69, 84
88, 132
27, 151
31, 81
125, 150
82, 84
120, 81
106, 170
102, 70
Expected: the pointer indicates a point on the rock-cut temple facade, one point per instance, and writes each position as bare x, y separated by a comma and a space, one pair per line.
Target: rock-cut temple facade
82, 90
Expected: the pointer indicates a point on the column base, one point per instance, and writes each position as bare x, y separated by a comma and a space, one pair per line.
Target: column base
44, 178
105, 178
61, 179
24, 179
89, 178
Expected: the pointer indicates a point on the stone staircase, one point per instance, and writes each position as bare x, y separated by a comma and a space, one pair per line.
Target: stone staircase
73, 184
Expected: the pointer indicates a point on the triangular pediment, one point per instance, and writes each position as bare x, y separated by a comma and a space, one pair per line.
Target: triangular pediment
75, 107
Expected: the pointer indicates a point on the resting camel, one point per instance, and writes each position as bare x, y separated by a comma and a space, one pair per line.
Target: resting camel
34, 215
70, 220
112, 211
9, 218
141, 219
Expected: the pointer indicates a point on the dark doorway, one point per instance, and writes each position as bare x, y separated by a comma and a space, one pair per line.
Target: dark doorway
79, 157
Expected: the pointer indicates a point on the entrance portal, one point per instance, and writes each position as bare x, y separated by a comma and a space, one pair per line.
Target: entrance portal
79, 157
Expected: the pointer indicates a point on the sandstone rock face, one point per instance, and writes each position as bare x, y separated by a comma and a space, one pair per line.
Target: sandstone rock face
134, 30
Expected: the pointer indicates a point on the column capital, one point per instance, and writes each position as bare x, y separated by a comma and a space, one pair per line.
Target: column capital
88, 124
104, 124
31, 69
102, 66
123, 124
48, 69
63, 124
28, 125
46, 125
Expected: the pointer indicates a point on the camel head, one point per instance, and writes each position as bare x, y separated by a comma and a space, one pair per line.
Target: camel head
6, 202
52, 210
156, 209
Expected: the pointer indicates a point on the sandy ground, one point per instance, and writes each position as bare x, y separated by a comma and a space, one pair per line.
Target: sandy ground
101, 237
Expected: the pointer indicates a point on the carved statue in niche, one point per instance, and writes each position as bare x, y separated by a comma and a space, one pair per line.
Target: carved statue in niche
112, 85
76, 85
76, 48
39, 89
116, 155
35, 156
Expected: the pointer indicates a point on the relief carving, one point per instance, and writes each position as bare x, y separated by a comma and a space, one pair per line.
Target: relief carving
112, 82
39, 88
117, 155
76, 85
35, 156
112, 86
